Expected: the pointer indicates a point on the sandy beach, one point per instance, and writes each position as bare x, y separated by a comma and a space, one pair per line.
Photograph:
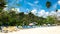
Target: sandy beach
39, 30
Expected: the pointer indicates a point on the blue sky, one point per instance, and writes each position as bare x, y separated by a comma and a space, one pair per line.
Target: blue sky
34, 5
31, 4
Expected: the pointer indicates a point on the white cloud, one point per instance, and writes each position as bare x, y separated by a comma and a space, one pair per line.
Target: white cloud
58, 10
18, 9
15, 9
6, 5
59, 2
52, 13
58, 13
44, 13
25, 13
34, 11
41, 13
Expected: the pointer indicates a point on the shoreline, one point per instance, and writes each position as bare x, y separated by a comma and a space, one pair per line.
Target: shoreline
39, 30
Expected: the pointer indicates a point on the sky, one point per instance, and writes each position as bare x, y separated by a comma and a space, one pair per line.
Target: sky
37, 7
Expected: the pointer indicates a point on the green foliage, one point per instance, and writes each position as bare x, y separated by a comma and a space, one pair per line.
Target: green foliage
2, 5
12, 19
50, 20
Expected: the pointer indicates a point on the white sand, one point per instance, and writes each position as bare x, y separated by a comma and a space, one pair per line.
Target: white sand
40, 30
